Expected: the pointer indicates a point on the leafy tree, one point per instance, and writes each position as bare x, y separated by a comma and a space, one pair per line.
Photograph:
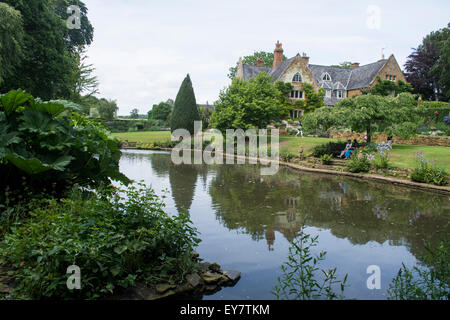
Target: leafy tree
266, 56
369, 113
11, 40
185, 110
83, 80
107, 109
134, 114
313, 100
46, 67
428, 67
161, 111
74, 37
386, 88
251, 104
205, 115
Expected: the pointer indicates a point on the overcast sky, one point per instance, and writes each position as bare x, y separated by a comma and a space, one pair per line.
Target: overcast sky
143, 49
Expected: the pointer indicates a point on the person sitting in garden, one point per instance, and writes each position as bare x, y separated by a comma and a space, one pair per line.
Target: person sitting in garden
347, 147
352, 149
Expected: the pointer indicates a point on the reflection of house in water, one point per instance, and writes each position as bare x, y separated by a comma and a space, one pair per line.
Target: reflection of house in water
288, 222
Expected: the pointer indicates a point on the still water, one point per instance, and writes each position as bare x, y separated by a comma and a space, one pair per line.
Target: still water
246, 221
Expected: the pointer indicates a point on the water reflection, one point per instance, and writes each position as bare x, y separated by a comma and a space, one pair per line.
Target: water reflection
358, 211
236, 209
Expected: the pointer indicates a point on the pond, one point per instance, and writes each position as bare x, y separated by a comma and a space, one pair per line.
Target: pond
247, 221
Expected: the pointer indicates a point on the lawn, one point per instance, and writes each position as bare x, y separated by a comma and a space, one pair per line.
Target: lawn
403, 156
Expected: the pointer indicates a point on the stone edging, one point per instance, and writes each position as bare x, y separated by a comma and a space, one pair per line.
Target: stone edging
370, 177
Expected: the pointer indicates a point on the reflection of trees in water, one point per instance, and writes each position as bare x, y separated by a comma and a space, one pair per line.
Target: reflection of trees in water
182, 179
358, 211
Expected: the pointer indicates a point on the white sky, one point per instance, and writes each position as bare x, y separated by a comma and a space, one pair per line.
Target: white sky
143, 49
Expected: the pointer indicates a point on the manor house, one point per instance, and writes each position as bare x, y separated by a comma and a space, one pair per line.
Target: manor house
337, 82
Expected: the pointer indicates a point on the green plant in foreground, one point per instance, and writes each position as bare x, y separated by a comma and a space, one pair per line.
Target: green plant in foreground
358, 162
427, 172
302, 278
115, 237
326, 159
424, 284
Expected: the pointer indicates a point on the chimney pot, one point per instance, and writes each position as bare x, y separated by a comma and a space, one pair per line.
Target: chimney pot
277, 54
355, 65
260, 62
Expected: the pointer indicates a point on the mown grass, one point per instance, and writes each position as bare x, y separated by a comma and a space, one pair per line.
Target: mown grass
403, 156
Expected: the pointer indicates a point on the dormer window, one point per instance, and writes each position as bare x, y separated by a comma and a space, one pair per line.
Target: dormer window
340, 94
297, 77
326, 77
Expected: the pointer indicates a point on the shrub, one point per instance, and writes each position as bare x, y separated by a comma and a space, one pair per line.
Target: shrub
326, 159
358, 162
427, 172
115, 239
50, 145
329, 148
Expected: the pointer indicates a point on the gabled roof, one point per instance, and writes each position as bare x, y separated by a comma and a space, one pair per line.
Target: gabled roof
250, 71
341, 78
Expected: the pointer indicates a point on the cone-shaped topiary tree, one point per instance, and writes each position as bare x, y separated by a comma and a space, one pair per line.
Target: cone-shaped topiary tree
185, 110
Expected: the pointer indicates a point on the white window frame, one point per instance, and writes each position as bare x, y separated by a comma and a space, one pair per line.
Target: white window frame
326, 77
297, 75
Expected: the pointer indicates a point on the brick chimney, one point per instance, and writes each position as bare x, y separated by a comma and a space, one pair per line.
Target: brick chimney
260, 62
355, 65
277, 54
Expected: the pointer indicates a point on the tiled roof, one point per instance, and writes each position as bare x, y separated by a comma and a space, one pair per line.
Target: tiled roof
341, 78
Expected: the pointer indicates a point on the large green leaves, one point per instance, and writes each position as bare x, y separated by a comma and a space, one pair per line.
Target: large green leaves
14, 99
35, 166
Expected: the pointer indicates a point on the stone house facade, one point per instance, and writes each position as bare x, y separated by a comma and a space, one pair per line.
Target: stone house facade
337, 82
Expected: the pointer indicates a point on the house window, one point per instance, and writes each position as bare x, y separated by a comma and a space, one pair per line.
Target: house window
340, 94
326, 77
297, 77
395, 78
387, 77
328, 93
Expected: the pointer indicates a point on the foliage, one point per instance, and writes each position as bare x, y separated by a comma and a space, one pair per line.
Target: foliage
326, 159
267, 57
381, 159
161, 111
107, 109
47, 65
369, 113
83, 80
11, 40
185, 111
49, 145
419, 283
134, 114
302, 278
329, 148
387, 87
205, 115
116, 237
358, 162
428, 172
313, 100
344, 65
251, 104
428, 67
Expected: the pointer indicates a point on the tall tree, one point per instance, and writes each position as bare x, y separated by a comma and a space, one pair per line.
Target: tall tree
46, 68
11, 40
251, 104
428, 67
185, 110
107, 109
134, 114
83, 79
267, 57
161, 111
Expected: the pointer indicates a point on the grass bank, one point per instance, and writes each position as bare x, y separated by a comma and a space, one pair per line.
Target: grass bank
403, 156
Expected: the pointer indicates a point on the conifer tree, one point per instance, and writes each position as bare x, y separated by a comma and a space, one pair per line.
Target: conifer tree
185, 110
